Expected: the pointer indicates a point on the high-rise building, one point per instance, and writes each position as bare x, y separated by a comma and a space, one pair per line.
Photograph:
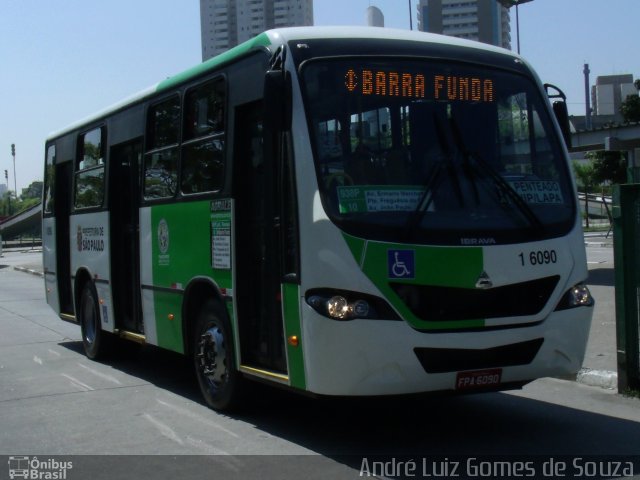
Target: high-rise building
481, 20
226, 23
609, 92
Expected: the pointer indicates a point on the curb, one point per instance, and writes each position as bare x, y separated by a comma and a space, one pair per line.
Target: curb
598, 244
598, 378
29, 270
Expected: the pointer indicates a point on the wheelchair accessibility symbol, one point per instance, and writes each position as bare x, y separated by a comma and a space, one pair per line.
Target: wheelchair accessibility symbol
401, 263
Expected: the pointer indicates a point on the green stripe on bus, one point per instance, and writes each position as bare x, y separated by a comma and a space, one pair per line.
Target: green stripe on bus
168, 308
356, 245
181, 251
291, 307
457, 267
261, 40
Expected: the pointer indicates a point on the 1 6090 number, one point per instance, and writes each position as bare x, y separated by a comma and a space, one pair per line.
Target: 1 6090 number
538, 257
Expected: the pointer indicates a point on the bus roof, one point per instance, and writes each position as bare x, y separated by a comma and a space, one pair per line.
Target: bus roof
278, 37
382, 33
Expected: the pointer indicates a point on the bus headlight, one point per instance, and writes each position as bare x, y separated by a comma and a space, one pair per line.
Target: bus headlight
346, 305
338, 307
577, 296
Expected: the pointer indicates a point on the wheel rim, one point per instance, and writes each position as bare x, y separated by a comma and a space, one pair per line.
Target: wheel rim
212, 357
89, 318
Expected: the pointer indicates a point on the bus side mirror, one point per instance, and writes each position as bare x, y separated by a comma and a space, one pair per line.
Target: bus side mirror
561, 112
562, 115
277, 100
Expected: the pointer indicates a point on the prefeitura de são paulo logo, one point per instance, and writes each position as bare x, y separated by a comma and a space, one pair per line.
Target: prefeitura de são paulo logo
163, 236
35, 468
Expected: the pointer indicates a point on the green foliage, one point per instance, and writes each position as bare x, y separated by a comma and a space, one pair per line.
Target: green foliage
630, 109
585, 176
33, 191
608, 167
12, 206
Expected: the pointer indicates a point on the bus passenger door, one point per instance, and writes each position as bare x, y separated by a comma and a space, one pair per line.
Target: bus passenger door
62, 208
124, 192
257, 249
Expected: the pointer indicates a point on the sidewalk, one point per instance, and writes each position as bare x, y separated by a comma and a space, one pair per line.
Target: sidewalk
600, 363
598, 239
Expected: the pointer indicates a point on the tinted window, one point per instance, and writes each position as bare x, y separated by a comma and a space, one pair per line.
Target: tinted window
204, 110
202, 166
161, 161
203, 152
160, 174
89, 176
49, 179
163, 124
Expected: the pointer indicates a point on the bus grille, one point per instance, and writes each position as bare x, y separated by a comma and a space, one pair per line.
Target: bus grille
439, 304
443, 360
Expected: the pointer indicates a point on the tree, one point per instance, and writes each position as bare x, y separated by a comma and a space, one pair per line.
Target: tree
630, 109
11, 205
608, 167
32, 191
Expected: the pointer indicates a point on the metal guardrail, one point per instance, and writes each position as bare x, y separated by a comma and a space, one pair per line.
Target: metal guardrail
597, 210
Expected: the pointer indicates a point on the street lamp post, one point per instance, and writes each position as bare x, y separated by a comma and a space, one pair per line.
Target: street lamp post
13, 154
509, 4
410, 18
6, 177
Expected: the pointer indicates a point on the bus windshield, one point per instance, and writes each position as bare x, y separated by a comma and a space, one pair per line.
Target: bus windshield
435, 152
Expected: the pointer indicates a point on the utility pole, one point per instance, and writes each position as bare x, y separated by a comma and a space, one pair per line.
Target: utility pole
13, 154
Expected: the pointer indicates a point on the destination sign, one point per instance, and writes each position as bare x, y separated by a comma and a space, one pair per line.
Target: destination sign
396, 83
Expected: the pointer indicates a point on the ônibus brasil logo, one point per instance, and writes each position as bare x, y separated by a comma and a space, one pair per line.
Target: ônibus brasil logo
34, 468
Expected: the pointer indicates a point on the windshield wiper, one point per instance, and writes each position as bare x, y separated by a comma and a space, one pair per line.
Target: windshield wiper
425, 199
432, 182
522, 206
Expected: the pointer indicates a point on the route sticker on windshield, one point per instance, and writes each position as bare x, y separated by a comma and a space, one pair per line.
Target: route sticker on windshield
378, 198
401, 264
538, 191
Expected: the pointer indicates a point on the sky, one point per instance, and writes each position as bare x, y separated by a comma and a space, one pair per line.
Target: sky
63, 60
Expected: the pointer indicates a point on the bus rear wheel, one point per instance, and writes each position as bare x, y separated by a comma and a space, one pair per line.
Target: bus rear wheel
94, 340
214, 360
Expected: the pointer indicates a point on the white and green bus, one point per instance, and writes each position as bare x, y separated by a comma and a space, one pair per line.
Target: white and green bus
339, 211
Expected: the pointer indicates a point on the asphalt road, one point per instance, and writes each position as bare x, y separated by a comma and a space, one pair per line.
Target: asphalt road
56, 402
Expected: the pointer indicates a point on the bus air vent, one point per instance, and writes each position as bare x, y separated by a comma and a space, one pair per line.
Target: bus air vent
443, 360
438, 304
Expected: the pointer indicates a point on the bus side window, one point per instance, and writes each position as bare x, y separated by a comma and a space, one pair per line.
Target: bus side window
50, 180
89, 176
203, 148
161, 158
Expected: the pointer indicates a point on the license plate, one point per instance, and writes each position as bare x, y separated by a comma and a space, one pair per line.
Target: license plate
478, 379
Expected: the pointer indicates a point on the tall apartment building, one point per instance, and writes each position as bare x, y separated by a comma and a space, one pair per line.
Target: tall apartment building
481, 20
226, 23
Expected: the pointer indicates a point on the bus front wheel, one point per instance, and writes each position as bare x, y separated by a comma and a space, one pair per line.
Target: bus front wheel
213, 355
94, 340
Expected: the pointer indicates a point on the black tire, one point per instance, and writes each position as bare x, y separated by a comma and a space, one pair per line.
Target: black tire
94, 340
214, 360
